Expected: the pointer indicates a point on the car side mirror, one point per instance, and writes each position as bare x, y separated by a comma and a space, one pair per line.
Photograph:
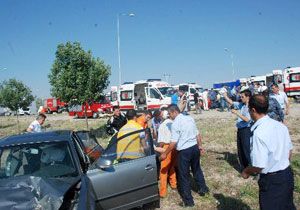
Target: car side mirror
104, 163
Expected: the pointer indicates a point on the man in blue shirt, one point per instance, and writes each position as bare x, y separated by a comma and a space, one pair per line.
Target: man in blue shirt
240, 109
186, 138
271, 150
174, 97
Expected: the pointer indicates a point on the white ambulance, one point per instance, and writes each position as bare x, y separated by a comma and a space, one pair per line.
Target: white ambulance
148, 94
291, 81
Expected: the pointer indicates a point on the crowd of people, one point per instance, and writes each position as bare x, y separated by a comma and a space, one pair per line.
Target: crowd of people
264, 146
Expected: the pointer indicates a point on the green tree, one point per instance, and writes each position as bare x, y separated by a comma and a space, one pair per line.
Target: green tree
76, 76
15, 95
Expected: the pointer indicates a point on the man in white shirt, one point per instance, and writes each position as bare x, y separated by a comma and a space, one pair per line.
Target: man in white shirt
205, 99
36, 126
167, 169
271, 149
281, 97
187, 141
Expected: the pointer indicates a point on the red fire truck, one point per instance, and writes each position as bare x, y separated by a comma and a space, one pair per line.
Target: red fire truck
93, 109
54, 105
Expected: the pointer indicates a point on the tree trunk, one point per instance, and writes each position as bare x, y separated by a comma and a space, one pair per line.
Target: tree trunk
18, 123
86, 119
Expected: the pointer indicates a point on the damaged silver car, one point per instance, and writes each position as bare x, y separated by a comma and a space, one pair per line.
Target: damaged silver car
70, 170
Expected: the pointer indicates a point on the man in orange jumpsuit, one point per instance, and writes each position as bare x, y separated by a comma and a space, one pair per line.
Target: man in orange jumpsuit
167, 170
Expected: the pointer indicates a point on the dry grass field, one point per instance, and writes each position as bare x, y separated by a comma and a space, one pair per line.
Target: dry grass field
228, 190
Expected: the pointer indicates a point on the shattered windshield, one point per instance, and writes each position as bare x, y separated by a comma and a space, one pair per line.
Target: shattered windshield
49, 159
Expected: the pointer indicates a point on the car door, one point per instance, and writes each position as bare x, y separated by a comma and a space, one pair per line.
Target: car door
126, 184
153, 98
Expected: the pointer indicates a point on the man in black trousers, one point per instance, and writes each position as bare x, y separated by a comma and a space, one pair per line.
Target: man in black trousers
186, 138
270, 157
240, 109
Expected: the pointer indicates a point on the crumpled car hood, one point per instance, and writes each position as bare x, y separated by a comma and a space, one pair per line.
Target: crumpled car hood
29, 192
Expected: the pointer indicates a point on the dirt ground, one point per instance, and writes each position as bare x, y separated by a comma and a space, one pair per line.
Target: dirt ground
228, 190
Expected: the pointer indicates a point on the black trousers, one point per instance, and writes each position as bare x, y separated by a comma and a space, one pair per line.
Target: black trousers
243, 146
189, 158
276, 190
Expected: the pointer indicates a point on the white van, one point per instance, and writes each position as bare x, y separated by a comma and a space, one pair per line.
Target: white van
144, 95
292, 81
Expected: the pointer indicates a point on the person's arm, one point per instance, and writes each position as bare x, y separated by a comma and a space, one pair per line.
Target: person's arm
228, 99
290, 155
199, 142
172, 146
279, 111
30, 128
237, 113
287, 106
250, 171
159, 149
286, 102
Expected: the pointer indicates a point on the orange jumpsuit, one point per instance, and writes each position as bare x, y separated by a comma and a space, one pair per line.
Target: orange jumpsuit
167, 172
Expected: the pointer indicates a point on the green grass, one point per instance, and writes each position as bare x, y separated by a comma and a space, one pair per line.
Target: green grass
296, 169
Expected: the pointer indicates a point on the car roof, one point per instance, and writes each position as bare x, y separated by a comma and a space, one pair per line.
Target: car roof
29, 138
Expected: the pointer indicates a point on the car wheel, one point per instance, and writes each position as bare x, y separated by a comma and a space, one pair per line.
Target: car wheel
49, 111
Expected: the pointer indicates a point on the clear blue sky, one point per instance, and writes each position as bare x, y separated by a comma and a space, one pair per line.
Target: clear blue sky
185, 39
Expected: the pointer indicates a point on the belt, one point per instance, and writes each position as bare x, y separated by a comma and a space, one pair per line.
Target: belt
275, 172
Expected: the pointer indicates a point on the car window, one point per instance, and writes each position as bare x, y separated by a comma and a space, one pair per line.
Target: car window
154, 94
192, 90
49, 159
91, 146
126, 95
295, 77
134, 145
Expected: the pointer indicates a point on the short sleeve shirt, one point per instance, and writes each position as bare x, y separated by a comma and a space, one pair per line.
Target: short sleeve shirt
270, 145
281, 98
35, 127
184, 132
274, 111
243, 108
164, 132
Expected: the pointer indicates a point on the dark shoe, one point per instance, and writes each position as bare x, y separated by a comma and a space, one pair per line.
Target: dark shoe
203, 191
186, 205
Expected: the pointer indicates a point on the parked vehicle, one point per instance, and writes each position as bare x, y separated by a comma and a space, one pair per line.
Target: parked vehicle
291, 82
55, 170
4, 111
24, 111
113, 95
55, 105
93, 109
190, 89
143, 95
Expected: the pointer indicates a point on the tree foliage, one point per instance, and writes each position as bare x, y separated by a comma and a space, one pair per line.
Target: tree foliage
76, 74
14, 95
